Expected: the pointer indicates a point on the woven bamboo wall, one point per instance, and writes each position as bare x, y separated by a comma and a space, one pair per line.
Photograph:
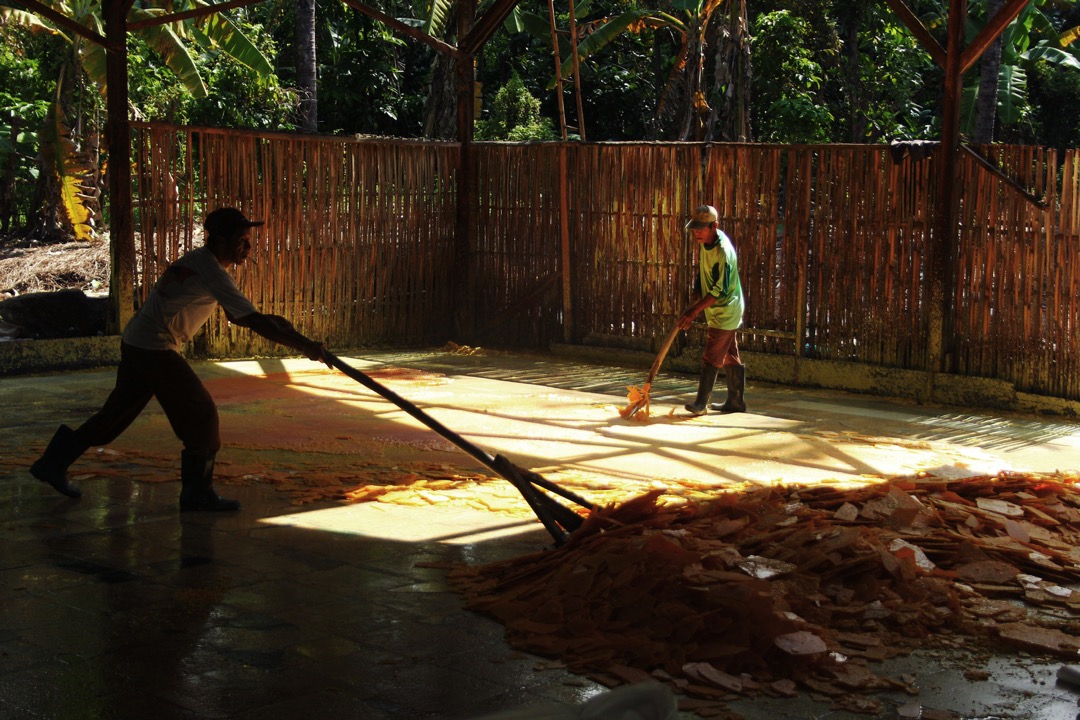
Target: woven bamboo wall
630, 270
1018, 282
833, 244
358, 239
513, 293
867, 233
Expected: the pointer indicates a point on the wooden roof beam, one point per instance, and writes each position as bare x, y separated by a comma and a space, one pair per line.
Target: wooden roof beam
188, 14
990, 32
486, 26
404, 29
68, 24
929, 42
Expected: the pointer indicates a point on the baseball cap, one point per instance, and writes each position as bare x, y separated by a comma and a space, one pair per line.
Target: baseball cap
702, 217
225, 221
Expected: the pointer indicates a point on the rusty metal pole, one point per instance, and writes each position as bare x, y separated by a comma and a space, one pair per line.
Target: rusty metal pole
118, 134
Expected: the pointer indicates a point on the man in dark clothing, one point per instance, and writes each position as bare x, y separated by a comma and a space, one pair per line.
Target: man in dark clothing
151, 364
721, 299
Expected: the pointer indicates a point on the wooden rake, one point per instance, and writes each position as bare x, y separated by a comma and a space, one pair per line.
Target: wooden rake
559, 520
638, 397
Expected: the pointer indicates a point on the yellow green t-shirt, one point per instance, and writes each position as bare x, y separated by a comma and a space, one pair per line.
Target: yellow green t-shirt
719, 273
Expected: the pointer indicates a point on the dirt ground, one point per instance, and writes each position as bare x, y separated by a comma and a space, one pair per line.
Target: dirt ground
47, 268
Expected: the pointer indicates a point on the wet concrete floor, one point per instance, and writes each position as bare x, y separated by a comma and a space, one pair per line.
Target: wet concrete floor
116, 606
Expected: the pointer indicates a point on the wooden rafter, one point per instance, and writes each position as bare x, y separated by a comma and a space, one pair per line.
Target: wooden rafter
404, 29
990, 32
929, 42
67, 23
997, 172
486, 26
188, 14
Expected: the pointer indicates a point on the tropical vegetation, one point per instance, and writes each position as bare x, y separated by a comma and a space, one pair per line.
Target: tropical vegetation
784, 71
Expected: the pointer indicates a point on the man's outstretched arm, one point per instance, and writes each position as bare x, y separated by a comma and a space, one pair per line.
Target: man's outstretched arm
280, 330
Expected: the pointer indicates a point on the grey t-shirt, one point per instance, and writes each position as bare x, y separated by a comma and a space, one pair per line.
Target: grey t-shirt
182, 300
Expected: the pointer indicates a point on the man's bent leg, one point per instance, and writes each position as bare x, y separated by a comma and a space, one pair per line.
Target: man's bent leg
123, 405
52, 466
194, 418
735, 374
197, 485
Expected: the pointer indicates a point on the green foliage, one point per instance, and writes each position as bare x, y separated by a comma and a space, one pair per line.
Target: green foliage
238, 94
888, 97
619, 84
786, 82
24, 104
515, 115
1052, 88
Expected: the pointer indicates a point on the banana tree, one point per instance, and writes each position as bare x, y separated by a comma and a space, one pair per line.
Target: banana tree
70, 163
707, 71
1032, 37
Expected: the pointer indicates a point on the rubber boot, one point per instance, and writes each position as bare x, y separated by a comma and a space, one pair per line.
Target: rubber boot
52, 466
736, 385
197, 485
704, 391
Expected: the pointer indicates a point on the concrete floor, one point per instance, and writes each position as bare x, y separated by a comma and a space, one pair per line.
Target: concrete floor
115, 606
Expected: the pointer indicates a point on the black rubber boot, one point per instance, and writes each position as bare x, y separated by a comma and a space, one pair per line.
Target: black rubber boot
51, 467
704, 391
197, 485
736, 385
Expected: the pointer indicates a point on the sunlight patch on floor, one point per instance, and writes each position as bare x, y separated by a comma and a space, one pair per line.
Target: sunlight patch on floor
450, 526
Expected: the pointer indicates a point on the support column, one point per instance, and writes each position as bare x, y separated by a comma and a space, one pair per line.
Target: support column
118, 135
464, 280
942, 270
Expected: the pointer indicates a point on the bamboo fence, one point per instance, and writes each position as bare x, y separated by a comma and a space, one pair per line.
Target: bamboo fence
360, 245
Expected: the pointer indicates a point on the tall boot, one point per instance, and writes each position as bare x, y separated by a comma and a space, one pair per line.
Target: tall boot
705, 385
197, 485
736, 385
64, 449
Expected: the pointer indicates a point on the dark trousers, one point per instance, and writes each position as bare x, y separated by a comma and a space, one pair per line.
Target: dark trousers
163, 374
721, 348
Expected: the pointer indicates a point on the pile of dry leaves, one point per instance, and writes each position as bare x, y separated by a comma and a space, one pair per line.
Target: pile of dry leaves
783, 590
46, 268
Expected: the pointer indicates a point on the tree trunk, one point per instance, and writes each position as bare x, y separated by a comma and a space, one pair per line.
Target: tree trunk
440, 112
676, 113
7, 183
858, 123
306, 65
989, 69
729, 120
440, 106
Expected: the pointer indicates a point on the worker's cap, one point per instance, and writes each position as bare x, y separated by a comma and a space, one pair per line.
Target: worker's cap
226, 221
702, 217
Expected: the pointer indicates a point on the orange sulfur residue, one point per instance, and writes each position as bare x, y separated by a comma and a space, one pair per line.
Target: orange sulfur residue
638, 402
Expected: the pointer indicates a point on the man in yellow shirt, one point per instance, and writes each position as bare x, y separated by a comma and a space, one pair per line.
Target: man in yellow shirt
721, 299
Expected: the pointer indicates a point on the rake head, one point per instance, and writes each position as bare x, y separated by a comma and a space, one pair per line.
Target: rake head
638, 403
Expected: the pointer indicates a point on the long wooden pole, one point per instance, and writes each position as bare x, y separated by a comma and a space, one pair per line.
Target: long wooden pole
577, 73
463, 273
558, 68
942, 267
118, 133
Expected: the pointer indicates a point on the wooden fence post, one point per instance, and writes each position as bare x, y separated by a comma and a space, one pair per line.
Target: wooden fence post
942, 267
463, 291
118, 132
